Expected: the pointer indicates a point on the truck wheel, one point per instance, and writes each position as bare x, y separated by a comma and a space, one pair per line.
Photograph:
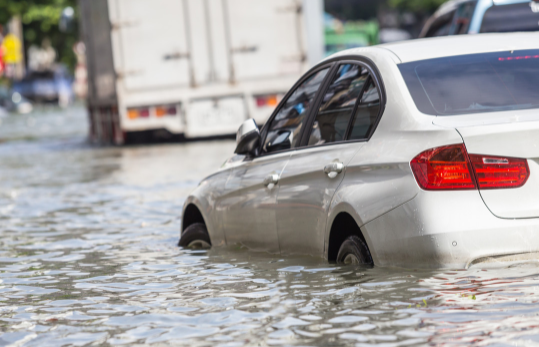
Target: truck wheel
354, 251
195, 237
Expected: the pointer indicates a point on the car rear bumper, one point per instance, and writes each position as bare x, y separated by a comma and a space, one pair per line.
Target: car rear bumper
448, 230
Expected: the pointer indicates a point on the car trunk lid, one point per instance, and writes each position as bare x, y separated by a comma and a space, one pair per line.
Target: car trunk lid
513, 134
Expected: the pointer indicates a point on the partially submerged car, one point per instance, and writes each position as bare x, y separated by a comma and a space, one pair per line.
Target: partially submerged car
422, 153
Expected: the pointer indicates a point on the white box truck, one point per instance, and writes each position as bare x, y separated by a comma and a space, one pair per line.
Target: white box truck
193, 68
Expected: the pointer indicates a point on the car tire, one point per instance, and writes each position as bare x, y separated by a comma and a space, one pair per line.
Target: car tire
195, 237
354, 251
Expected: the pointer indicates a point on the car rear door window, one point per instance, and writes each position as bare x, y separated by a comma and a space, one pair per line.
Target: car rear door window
338, 104
509, 18
367, 112
284, 131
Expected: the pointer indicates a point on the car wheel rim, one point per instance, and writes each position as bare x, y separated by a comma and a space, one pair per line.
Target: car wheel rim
351, 259
198, 244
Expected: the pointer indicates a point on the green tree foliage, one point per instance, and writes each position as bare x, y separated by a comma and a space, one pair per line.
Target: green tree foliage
40, 20
426, 6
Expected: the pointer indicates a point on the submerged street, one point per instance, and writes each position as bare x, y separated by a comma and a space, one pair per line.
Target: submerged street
88, 255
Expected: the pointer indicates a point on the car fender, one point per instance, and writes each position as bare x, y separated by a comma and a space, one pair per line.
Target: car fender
204, 200
335, 209
370, 191
202, 205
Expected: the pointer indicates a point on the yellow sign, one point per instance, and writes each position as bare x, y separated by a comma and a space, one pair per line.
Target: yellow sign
12, 48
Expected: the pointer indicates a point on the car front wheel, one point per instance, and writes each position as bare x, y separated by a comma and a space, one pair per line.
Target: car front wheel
354, 251
195, 237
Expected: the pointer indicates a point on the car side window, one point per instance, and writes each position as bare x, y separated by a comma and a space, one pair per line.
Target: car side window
462, 19
367, 112
337, 106
285, 129
441, 26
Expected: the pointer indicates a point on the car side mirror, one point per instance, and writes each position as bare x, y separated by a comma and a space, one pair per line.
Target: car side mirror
247, 138
280, 142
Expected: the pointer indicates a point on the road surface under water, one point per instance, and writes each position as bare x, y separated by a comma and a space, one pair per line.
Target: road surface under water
88, 256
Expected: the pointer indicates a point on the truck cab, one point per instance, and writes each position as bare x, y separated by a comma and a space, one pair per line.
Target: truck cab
459, 17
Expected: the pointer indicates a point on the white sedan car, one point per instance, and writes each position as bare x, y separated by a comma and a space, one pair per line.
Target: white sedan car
422, 153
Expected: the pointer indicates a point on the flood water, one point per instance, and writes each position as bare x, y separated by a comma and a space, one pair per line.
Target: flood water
89, 256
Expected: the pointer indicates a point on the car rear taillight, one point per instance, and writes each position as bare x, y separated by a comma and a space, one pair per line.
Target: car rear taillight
451, 168
499, 172
158, 111
169, 110
267, 100
443, 168
134, 113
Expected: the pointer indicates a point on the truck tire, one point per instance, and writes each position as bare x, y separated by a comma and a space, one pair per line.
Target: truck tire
354, 251
195, 237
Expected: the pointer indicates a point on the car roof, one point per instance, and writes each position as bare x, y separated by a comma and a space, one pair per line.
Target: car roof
453, 4
508, 2
439, 47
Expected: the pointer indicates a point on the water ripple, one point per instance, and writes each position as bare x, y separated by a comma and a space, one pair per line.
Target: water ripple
88, 256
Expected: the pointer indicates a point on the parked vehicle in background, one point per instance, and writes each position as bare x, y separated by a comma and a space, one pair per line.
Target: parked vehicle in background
459, 17
47, 86
14, 102
193, 68
422, 153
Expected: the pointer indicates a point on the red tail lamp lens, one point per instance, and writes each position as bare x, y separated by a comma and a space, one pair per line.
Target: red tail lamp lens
443, 168
260, 101
451, 167
497, 172
144, 112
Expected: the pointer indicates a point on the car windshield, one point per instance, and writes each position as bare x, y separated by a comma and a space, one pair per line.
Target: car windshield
474, 83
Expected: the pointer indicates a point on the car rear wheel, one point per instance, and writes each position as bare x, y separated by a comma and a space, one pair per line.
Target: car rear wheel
354, 251
195, 237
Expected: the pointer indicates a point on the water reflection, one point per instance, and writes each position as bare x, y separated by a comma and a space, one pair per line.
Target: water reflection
88, 256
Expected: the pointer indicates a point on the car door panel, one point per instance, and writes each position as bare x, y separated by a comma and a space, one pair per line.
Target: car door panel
305, 195
346, 118
250, 217
253, 185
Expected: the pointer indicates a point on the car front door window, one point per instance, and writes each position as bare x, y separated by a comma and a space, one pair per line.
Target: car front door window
285, 129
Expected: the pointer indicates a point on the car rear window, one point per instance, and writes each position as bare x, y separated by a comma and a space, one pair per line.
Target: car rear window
514, 17
474, 83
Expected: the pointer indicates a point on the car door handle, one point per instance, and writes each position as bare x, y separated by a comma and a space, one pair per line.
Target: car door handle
333, 169
271, 180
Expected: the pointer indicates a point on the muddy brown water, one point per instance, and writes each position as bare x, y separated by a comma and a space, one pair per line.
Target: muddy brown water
88, 256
